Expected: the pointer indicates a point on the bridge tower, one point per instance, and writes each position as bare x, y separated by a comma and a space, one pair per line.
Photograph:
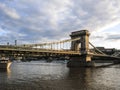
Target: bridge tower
82, 46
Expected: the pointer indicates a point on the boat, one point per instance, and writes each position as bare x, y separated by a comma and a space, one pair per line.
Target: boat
5, 63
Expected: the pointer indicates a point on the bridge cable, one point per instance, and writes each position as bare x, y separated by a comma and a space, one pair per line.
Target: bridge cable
97, 49
42, 44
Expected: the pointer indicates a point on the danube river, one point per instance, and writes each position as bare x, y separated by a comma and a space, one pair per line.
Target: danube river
39, 75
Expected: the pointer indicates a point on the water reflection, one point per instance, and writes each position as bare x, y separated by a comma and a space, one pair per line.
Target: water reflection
3, 70
7, 71
56, 76
80, 77
39, 70
4, 75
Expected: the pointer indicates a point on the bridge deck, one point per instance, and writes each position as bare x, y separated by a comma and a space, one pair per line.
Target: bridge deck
68, 52
61, 52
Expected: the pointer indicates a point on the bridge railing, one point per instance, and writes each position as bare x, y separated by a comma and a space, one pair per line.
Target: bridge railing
22, 48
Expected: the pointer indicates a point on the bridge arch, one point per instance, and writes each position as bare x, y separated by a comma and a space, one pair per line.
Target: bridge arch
83, 44
84, 59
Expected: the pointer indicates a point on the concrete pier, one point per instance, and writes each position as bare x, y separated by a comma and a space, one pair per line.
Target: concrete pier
81, 61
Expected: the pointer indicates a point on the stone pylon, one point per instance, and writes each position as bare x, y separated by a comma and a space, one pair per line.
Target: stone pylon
81, 46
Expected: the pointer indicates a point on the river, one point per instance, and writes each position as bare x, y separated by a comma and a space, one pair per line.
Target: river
40, 75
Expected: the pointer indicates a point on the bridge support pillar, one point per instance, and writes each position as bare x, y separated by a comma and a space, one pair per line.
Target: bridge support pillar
84, 59
81, 61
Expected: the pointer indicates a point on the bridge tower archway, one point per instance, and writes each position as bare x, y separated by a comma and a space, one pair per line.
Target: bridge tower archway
83, 44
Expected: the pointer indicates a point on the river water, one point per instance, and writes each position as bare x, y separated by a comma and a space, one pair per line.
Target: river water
39, 75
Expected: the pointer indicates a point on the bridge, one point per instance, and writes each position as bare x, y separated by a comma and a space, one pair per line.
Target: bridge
77, 48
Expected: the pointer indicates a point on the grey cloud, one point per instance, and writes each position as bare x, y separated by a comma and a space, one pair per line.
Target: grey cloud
113, 37
97, 37
11, 12
56, 19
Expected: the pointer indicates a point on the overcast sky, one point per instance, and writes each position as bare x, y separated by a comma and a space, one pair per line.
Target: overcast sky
44, 20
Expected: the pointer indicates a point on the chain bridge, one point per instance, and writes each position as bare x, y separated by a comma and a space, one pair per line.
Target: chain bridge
78, 48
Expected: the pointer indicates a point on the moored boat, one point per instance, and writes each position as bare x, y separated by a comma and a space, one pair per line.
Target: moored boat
5, 63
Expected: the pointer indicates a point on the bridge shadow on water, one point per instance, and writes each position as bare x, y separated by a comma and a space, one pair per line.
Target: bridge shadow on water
3, 70
95, 78
82, 79
108, 65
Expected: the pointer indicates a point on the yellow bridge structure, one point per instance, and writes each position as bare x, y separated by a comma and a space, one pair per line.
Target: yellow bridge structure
77, 48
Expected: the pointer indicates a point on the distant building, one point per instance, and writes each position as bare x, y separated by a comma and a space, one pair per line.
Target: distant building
109, 51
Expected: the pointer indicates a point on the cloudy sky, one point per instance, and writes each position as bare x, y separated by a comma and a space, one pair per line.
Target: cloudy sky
45, 20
